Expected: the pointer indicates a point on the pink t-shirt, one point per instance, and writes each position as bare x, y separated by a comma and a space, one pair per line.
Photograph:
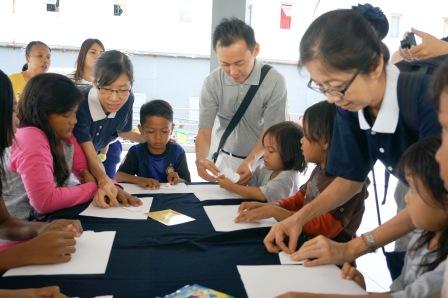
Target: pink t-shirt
31, 157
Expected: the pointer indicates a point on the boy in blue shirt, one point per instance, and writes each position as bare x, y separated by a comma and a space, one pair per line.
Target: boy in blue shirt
157, 160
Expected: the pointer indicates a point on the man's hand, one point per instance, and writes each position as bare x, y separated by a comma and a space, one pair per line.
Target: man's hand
204, 165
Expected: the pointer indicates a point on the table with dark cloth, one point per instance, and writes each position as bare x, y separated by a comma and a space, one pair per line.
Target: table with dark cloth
149, 259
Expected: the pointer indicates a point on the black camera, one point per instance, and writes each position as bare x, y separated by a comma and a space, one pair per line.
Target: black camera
408, 41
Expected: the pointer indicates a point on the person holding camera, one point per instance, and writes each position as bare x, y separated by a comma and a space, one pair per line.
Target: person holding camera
348, 63
430, 47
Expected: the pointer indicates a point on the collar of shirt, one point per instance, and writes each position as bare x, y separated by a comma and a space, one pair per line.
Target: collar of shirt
96, 110
387, 118
253, 79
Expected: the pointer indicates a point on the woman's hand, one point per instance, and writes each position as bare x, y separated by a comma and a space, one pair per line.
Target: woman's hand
126, 199
321, 251
290, 228
106, 189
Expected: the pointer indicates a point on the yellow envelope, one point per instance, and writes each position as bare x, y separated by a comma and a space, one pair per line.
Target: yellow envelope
170, 217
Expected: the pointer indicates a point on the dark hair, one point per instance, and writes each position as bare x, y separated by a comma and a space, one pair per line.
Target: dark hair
81, 60
231, 30
376, 18
29, 48
343, 40
287, 135
110, 66
440, 82
47, 94
6, 111
156, 107
318, 122
419, 161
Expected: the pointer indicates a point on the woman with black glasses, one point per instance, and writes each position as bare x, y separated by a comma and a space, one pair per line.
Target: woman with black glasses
380, 113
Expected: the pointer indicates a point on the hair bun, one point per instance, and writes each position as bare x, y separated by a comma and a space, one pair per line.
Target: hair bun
376, 18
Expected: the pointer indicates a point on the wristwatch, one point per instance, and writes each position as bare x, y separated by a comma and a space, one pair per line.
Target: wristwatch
370, 241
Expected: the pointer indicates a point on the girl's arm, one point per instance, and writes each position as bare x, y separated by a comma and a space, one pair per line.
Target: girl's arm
250, 192
15, 229
34, 162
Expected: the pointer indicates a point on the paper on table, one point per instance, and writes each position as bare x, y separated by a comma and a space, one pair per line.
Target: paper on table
164, 188
211, 192
273, 280
120, 211
91, 257
223, 219
285, 259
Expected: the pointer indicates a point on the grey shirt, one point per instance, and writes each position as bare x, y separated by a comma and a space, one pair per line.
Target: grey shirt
412, 283
221, 97
14, 194
284, 185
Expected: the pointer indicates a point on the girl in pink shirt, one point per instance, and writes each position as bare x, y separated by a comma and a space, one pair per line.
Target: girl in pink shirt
46, 243
47, 156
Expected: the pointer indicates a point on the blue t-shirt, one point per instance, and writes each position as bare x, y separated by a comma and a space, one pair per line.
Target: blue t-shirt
139, 161
354, 151
95, 126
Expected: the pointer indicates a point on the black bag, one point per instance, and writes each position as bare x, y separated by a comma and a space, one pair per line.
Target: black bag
241, 110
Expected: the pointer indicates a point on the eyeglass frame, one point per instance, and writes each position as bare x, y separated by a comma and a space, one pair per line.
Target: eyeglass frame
331, 91
112, 91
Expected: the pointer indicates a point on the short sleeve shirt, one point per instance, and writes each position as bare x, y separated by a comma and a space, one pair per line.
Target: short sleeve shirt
356, 144
93, 123
285, 184
221, 97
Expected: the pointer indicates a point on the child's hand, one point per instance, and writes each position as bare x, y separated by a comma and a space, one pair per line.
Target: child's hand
86, 176
224, 182
48, 248
173, 178
148, 183
254, 214
47, 292
63, 225
249, 206
126, 199
106, 196
350, 272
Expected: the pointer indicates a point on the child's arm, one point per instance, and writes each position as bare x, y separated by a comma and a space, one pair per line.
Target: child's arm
250, 192
293, 203
34, 162
261, 211
326, 225
140, 181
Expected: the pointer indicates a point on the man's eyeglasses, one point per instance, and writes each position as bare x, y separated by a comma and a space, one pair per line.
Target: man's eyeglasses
119, 92
330, 90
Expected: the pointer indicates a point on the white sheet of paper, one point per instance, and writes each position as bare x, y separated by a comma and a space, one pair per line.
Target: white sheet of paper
134, 189
91, 257
223, 219
120, 211
211, 192
285, 259
273, 280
